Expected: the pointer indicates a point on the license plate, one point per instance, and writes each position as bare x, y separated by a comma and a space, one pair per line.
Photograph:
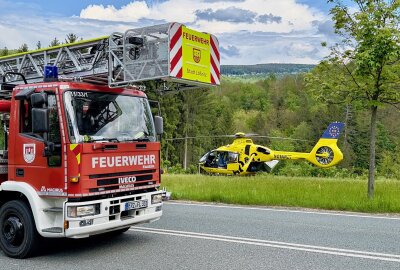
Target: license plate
135, 205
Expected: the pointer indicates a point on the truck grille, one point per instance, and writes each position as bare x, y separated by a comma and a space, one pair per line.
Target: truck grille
111, 181
104, 175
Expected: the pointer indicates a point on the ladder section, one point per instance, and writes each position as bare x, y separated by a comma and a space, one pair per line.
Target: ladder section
139, 55
86, 60
170, 54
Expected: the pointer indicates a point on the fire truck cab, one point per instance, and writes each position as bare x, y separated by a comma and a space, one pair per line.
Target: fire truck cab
81, 160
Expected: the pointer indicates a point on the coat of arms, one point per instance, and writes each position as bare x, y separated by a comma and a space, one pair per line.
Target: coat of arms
196, 55
29, 152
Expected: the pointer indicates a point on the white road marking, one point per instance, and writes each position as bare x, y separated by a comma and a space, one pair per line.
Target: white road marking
287, 210
275, 244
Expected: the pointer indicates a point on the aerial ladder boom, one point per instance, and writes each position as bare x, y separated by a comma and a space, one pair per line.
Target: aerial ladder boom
172, 54
85, 59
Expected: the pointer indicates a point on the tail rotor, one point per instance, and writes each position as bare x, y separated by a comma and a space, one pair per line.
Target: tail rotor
324, 155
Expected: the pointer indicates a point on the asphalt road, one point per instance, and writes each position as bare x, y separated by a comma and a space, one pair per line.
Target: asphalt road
224, 237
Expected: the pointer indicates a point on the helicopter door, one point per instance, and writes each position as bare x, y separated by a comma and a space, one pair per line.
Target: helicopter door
233, 167
233, 164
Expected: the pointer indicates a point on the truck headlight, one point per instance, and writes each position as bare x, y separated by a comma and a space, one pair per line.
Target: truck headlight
84, 210
157, 198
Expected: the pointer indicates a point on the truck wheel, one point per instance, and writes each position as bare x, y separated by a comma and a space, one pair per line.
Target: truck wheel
18, 234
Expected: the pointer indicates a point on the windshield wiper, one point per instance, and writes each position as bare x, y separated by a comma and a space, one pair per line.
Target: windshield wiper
143, 139
104, 139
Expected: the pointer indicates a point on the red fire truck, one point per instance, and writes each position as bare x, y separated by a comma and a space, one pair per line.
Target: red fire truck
80, 153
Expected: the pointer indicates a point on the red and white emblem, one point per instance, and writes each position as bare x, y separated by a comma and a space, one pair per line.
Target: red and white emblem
29, 152
196, 55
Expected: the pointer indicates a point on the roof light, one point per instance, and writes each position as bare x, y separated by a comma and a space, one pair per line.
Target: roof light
50, 74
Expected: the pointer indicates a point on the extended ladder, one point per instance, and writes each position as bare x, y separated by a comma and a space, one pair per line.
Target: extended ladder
86, 59
169, 53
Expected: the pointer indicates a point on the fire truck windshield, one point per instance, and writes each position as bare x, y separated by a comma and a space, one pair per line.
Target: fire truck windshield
94, 116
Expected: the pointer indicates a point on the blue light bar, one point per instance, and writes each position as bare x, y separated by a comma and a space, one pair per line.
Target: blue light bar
50, 73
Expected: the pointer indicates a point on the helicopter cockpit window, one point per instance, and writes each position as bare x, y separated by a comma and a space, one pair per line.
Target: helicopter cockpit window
215, 159
222, 159
232, 157
204, 158
211, 160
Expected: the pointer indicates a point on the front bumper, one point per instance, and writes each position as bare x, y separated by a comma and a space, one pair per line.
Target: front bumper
110, 218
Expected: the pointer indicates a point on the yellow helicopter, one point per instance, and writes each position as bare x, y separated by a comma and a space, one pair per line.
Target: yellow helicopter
243, 157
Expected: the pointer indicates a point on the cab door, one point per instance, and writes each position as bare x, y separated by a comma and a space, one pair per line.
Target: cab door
38, 156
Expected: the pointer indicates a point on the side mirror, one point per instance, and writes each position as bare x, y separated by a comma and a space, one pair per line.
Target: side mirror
40, 120
39, 100
159, 124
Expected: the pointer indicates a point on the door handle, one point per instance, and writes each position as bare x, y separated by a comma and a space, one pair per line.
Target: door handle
19, 172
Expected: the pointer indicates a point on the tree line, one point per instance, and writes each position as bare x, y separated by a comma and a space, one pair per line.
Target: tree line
70, 38
280, 107
275, 68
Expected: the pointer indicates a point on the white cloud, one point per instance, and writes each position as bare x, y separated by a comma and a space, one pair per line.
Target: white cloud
294, 16
132, 12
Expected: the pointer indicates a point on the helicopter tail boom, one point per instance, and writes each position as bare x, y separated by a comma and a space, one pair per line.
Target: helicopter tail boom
325, 153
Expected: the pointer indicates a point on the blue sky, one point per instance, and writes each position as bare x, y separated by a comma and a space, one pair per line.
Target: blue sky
249, 31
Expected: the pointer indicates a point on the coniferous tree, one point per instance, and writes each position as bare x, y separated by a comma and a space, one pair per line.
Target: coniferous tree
4, 52
23, 48
55, 42
71, 38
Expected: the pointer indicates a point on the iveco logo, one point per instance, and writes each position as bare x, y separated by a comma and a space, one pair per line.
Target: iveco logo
127, 180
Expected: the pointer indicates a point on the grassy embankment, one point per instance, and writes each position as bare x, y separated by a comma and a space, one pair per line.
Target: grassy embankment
269, 190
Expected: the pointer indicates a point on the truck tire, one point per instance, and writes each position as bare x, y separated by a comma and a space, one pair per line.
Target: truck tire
18, 234
118, 232
122, 230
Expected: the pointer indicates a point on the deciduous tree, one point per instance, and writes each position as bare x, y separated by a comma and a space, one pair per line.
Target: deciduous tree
363, 68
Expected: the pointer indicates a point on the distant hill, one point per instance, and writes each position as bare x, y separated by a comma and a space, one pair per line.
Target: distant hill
261, 69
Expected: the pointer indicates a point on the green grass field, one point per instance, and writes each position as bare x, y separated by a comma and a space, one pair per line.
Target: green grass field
269, 190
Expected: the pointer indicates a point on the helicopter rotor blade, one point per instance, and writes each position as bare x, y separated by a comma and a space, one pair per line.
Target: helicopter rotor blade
233, 136
251, 135
282, 138
200, 137
237, 136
